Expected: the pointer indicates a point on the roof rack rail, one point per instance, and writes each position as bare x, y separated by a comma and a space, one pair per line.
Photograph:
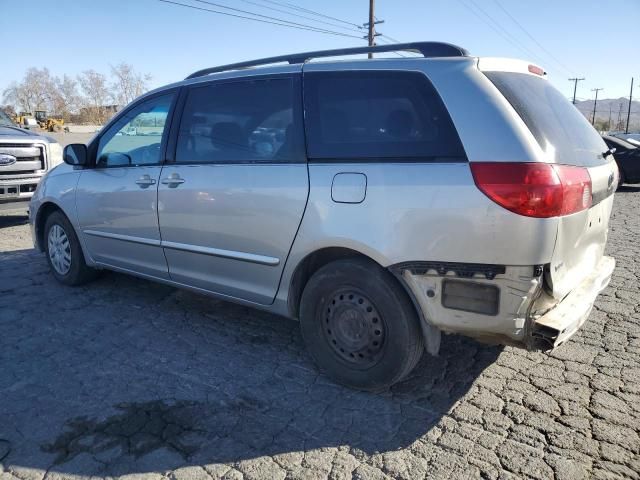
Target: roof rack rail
427, 49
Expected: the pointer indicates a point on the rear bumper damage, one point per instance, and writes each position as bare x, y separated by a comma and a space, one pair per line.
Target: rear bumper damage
558, 324
499, 304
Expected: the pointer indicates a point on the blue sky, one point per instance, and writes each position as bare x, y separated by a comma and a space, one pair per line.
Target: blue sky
586, 38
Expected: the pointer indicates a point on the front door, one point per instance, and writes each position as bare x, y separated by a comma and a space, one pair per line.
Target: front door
117, 199
230, 204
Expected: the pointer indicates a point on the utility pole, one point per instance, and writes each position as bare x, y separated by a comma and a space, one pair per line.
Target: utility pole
593, 120
575, 87
609, 124
371, 25
626, 130
619, 122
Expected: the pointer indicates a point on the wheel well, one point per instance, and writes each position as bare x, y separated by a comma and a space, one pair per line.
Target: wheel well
41, 218
311, 264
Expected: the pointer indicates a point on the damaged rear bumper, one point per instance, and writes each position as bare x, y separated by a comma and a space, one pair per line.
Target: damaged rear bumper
558, 324
498, 304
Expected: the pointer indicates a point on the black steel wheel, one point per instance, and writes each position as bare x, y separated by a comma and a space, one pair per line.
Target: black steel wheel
359, 325
354, 328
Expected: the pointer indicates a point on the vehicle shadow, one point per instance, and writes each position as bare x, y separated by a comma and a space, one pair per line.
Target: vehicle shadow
13, 220
126, 376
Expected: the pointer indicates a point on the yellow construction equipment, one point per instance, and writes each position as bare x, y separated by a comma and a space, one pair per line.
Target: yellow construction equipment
25, 120
48, 123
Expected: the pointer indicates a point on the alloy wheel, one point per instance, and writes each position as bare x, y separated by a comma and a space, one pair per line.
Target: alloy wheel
59, 249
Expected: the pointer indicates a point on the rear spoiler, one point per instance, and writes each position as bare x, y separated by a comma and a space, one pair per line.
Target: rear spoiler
495, 64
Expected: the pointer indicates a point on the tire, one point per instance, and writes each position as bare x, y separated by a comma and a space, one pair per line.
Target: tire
64, 253
621, 180
359, 325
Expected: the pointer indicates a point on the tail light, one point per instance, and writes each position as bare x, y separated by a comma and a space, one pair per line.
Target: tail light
537, 70
535, 189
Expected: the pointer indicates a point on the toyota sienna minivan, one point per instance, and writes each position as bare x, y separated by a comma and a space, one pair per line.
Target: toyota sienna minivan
379, 201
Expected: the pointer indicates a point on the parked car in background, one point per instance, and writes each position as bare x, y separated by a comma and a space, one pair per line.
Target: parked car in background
627, 136
627, 157
25, 157
369, 199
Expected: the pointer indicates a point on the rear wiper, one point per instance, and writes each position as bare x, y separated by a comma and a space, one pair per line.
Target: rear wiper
610, 151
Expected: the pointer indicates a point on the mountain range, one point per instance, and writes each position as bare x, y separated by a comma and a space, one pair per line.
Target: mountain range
619, 108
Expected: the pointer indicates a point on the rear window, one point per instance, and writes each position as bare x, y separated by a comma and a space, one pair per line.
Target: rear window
376, 115
560, 129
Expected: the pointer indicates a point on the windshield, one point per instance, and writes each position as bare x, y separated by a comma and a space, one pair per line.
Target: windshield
5, 120
560, 129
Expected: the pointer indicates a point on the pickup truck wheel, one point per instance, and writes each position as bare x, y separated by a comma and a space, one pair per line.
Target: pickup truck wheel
359, 325
64, 253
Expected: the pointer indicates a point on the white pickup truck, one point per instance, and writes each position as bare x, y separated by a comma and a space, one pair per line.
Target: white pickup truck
25, 157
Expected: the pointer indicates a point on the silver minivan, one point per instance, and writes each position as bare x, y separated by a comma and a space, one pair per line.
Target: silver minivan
379, 201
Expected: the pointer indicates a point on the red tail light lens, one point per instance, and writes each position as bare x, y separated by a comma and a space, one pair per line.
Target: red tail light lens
535, 189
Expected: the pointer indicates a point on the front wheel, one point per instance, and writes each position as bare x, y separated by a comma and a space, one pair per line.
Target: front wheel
64, 253
359, 325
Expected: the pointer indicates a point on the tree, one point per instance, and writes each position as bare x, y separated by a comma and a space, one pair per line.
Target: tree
9, 110
65, 99
602, 125
34, 92
89, 93
16, 95
128, 84
96, 95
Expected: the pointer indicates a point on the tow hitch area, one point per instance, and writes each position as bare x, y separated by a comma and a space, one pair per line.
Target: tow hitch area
557, 325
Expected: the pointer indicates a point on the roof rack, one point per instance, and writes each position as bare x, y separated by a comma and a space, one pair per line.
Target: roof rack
427, 49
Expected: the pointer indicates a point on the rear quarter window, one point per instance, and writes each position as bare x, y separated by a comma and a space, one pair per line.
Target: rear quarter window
558, 127
377, 116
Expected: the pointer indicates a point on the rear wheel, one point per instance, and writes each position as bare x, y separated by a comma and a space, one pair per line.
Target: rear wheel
64, 253
359, 325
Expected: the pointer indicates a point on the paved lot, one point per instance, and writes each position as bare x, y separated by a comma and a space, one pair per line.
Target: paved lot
128, 377
65, 138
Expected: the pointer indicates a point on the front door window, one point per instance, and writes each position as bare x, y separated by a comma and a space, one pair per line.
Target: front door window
136, 138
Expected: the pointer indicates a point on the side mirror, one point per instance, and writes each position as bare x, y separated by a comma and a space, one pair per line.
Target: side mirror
75, 154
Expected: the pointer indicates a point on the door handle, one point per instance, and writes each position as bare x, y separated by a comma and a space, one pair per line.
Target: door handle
145, 181
173, 180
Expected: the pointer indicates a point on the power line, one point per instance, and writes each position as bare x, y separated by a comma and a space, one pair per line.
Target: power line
269, 19
279, 22
387, 42
391, 38
297, 8
265, 16
496, 27
351, 29
558, 62
306, 10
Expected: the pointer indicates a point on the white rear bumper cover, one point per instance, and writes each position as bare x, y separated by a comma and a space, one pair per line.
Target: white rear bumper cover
561, 322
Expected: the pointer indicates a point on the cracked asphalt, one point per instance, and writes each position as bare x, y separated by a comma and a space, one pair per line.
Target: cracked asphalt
124, 377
